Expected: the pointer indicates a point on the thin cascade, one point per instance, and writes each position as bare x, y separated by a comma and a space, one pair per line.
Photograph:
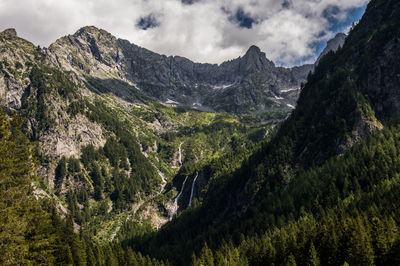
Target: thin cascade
191, 193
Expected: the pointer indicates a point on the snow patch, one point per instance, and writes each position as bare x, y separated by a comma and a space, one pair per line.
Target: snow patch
274, 100
171, 102
290, 106
135, 85
288, 90
222, 86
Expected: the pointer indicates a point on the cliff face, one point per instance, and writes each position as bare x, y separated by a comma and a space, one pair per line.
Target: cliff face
89, 51
378, 65
13, 75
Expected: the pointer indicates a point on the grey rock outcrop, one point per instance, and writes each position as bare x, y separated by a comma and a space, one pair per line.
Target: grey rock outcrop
13, 71
9, 33
333, 45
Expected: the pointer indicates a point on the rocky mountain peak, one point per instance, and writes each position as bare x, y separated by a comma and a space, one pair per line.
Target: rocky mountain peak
336, 42
339, 37
255, 60
87, 29
253, 50
9, 33
87, 47
92, 31
93, 35
333, 45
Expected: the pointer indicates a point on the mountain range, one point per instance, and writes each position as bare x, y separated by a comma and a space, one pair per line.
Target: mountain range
157, 160
250, 83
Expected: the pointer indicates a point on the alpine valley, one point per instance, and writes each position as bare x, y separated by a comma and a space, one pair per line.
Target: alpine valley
112, 154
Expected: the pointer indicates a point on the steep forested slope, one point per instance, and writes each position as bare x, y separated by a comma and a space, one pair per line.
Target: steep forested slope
351, 94
344, 211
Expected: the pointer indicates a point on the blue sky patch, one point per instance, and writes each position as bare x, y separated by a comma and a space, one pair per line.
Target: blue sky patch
147, 22
336, 26
243, 19
286, 4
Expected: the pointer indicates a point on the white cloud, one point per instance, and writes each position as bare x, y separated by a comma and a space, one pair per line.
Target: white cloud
202, 32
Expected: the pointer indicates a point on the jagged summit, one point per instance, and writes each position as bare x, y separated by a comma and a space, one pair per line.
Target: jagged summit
256, 60
10, 33
90, 28
340, 35
333, 45
253, 50
336, 42
93, 31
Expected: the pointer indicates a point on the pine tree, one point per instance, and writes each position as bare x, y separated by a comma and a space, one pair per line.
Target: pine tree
205, 257
90, 257
290, 261
110, 256
312, 259
360, 248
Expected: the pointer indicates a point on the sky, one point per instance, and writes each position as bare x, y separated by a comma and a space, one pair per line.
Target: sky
290, 32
